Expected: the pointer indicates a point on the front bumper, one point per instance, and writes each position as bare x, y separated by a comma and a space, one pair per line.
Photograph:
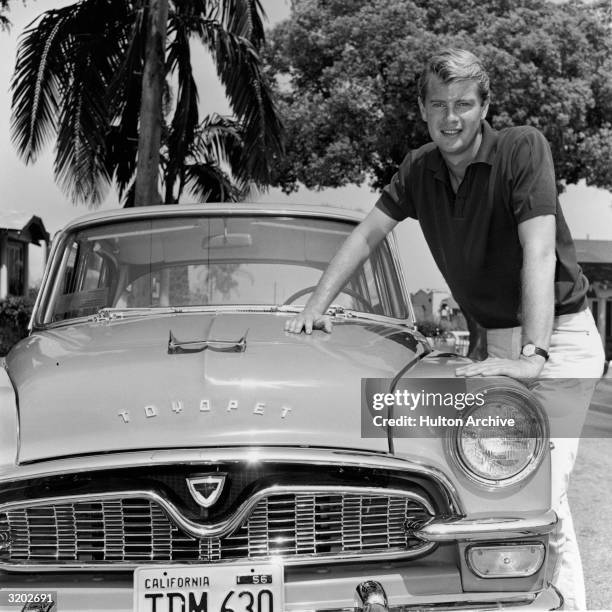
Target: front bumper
476, 530
428, 584
118, 598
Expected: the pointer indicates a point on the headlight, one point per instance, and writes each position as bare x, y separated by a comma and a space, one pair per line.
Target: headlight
502, 441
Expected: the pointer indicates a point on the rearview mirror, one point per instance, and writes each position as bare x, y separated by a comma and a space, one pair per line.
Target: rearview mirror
227, 241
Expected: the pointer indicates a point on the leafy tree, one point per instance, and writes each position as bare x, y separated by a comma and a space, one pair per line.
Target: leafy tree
5, 22
15, 313
346, 73
78, 80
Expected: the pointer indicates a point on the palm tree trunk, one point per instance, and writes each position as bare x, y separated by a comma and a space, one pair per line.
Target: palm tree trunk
149, 139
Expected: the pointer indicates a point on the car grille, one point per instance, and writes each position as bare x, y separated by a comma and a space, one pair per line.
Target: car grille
132, 531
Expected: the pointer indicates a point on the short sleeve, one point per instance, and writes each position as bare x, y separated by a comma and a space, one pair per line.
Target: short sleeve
534, 189
395, 200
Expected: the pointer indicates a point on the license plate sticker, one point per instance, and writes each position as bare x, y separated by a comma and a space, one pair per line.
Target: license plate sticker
209, 588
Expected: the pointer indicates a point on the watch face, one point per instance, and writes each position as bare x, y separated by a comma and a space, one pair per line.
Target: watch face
528, 350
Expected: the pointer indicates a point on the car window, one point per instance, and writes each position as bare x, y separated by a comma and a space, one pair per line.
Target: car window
209, 261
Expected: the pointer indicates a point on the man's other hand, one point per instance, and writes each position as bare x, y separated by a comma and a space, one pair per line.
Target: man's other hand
308, 321
525, 367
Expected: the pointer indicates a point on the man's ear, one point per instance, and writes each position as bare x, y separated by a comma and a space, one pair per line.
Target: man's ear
422, 109
485, 110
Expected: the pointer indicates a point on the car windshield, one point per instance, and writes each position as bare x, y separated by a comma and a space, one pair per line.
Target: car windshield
212, 261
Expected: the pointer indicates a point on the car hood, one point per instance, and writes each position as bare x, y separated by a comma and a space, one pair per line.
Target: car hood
115, 385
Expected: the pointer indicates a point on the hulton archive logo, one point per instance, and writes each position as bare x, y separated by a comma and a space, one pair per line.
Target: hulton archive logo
206, 489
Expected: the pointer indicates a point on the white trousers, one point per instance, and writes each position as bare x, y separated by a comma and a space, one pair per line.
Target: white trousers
576, 357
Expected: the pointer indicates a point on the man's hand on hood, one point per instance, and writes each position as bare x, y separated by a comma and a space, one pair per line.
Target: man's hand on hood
307, 321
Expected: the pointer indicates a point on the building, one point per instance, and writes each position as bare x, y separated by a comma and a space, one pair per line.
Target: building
17, 232
427, 303
595, 257
436, 305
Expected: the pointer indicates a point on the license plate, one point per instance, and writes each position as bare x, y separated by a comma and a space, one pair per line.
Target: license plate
206, 588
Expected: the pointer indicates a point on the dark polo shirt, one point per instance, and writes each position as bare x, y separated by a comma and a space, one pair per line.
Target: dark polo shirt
473, 234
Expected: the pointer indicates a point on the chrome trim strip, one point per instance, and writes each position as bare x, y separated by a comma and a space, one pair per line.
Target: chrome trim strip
227, 526
251, 455
113, 566
518, 603
410, 321
475, 530
46, 286
548, 599
214, 210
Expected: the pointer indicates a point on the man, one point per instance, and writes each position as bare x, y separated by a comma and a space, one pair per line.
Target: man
488, 207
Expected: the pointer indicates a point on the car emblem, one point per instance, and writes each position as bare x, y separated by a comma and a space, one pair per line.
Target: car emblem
206, 489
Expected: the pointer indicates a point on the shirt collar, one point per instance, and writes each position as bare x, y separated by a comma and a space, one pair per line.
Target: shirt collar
488, 145
485, 155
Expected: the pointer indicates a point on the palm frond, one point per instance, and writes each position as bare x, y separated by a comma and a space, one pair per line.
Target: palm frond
185, 120
129, 198
66, 62
244, 18
209, 183
123, 96
218, 143
238, 67
40, 74
80, 161
219, 138
94, 52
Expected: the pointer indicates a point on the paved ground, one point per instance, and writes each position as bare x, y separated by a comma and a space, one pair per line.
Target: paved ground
590, 497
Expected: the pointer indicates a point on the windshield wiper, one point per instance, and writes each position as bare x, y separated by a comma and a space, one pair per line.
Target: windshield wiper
114, 314
333, 310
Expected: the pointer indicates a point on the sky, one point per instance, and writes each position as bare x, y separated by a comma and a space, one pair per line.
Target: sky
32, 190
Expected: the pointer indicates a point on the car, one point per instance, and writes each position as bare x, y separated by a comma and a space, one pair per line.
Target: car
165, 446
457, 341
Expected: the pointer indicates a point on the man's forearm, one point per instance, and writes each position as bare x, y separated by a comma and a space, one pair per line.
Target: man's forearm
537, 297
351, 255
537, 236
355, 250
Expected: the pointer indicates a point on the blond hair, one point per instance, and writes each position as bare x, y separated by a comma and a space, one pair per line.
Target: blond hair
451, 65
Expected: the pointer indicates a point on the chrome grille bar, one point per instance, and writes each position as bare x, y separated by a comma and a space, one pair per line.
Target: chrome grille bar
302, 527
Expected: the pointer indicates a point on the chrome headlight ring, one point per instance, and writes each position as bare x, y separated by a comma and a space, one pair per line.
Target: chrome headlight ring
500, 455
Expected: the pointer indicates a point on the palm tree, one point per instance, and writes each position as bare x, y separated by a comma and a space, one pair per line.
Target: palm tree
78, 79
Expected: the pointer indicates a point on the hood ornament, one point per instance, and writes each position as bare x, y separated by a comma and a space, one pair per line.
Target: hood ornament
176, 346
206, 490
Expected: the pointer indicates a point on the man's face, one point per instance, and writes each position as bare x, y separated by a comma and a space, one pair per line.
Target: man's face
453, 113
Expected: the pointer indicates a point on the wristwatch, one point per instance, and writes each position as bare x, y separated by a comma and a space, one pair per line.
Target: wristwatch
529, 350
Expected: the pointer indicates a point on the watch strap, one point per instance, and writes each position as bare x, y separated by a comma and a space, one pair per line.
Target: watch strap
535, 350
